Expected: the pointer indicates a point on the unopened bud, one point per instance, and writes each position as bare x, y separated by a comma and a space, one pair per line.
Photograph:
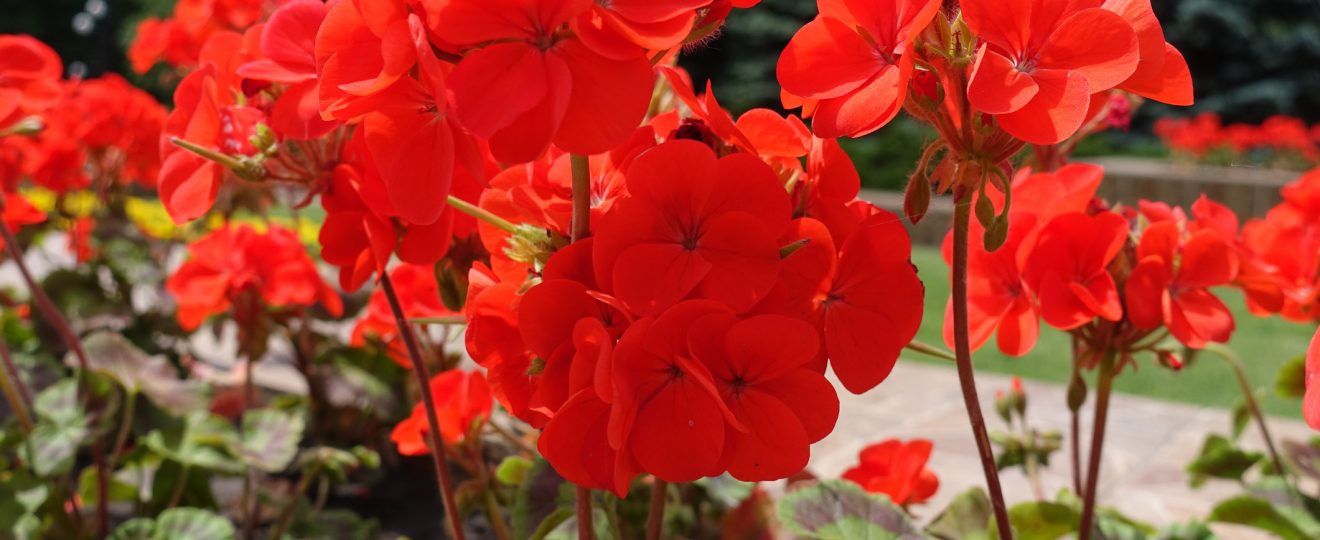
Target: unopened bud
1170, 360
1076, 394
985, 210
25, 127
916, 199
996, 234
263, 139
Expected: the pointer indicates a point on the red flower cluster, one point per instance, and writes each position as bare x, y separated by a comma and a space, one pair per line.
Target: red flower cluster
178, 40
1040, 69
418, 296
689, 335
462, 406
236, 268
897, 469
1204, 134
1311, 401
1281, 263
1112, 278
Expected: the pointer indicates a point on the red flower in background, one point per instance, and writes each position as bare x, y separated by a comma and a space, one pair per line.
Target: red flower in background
1042, 60
462, 405
29, 77
1168, 285
854, 60
897, 469
242, 268
1068, 268
693, 224
18, 212
532, 84
419, 296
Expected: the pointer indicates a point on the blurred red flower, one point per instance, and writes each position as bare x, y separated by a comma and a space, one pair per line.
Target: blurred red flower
897, 469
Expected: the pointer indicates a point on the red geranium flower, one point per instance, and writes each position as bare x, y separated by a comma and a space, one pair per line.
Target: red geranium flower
871, 306
29, 77
531, 84
1168, 285
288, 57
854, 59
229, 265
667, 412
18, 212
760, 366
624, 29
419, 296
462, 404
1042, 60
1068, 268
896, 469
1162, 73
693, 223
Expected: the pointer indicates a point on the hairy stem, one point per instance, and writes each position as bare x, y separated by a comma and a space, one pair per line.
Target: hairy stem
1253, 406
581, 197
963, 351
1105, 386
931, 351
423, 376
125, 427
482, 214
586, 529
655, 520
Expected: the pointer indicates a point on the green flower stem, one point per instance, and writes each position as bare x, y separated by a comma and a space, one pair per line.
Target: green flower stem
482, 214
1253, 406
931, 351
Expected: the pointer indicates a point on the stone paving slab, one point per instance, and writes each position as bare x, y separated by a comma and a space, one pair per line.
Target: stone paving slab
1149, 442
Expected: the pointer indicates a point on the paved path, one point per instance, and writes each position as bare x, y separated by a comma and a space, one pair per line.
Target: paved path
1148, 442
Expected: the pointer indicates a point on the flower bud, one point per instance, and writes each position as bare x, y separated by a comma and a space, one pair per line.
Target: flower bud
24, 127
985, 210
533, 245
1170, 360
996, 234
1076, 394
916, 198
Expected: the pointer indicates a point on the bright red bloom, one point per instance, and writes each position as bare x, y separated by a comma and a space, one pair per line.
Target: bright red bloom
462, 405
1162, 73
1168, 285
29, 77
1042, 60
18, 212
871, 306
624, 29
667, 412
1068, 268
896, 469
693, 224
240, 267
288, 57
854, 59
494, 342
1311, 401
178, 40
533, 84
362, 48
760, 366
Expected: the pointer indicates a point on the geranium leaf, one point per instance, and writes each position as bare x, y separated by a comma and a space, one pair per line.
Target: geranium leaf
112, 355
200, 440
193, 524
840, 510
1042, 520
966, 517
1256, 513
1290, 382
270, 438
1220, 458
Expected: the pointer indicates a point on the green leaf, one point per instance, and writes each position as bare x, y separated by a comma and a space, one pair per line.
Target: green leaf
59, 403
1192, 530
270, 438
21, 498
1291, 379
513, 470
726, 490
52, 447
1042, 520
116, 491
1256, 513
840, 510
1305, 457
112, 355
1220, 458
537, 499
966, 518
135, 529
1241, 416
200, 440
193, 524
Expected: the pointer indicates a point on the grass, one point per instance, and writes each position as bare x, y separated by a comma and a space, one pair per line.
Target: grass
1264, 345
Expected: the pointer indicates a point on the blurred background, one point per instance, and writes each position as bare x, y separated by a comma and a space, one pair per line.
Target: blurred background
1251, 59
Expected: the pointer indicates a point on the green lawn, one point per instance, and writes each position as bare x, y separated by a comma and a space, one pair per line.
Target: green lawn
1263, 344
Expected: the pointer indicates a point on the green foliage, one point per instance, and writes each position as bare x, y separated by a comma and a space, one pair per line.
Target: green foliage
840, 510
190, 523
966, 518
270, 439
1221, 458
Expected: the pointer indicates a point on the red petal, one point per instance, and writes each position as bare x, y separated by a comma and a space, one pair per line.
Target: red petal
996, 87
679, 434
826, 59
1311, 402
743, 260
1097, 43
1055, 113
495, 85
775, 446
609, 98
1171, 84
1004, 23
811, 397
1208, 260
866, 109
651, 277
1146, 293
